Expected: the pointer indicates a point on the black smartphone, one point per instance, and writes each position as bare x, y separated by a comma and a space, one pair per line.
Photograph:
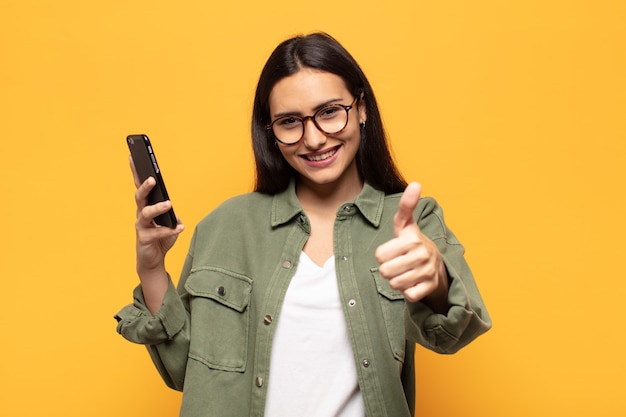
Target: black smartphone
142, 152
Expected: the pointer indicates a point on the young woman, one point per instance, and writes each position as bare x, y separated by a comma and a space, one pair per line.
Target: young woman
307, 296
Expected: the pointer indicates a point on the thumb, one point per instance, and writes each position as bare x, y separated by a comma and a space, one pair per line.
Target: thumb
408, 202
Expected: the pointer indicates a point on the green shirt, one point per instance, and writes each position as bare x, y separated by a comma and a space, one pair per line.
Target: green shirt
212, 337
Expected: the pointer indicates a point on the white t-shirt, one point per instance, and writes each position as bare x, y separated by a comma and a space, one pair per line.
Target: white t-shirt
312, 370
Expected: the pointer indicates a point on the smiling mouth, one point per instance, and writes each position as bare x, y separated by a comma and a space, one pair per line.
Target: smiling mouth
321, 156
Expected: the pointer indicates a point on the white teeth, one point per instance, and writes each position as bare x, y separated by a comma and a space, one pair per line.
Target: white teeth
322, 156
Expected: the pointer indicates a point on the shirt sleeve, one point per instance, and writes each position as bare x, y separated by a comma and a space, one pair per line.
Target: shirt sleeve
165, 335
467, 317
138, 325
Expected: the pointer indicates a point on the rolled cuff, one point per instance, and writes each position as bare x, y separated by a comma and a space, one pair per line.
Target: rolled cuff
447, 333
138, 325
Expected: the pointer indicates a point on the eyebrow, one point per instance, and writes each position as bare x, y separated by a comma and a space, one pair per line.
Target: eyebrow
315, 109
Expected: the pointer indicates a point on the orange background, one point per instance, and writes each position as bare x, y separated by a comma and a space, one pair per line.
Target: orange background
510, 113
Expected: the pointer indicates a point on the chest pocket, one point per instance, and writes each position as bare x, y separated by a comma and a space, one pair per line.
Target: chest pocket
219, 318
392, 305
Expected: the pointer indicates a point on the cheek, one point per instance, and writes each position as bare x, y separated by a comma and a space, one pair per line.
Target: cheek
355, 136
286, 153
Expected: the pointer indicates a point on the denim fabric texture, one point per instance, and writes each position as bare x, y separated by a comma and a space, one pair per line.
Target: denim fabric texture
213, 335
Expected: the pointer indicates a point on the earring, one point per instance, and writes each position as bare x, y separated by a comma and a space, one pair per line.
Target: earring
362, 124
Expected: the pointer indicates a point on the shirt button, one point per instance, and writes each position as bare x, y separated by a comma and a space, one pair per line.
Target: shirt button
259, 381
366, 363
221, 291
286, 264
344, 258
347, 209
352, 302
267, 319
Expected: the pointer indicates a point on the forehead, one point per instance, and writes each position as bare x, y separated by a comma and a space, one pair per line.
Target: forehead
305, 90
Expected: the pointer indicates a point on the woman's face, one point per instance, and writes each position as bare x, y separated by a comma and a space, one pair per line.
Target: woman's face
321, 159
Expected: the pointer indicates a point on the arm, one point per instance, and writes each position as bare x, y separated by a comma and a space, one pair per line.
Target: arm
158, 317
466, 317
152, 243
411, 261
426, 262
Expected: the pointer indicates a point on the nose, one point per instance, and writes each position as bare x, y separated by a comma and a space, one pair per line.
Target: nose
313, 137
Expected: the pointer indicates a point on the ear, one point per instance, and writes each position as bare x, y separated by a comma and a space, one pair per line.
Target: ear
362, 109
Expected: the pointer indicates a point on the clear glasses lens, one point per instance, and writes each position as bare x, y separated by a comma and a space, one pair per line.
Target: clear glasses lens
329, 119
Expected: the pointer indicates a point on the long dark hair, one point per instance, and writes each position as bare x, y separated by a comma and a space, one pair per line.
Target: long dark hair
322, 52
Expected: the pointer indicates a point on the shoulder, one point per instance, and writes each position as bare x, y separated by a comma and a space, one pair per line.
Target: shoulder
245, 201
428, 214
251, 206
425, 207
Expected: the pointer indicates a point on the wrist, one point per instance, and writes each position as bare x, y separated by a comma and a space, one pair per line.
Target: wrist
151, 272
438, 299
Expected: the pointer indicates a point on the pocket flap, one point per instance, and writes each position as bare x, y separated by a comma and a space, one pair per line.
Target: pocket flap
383, 287
225, 287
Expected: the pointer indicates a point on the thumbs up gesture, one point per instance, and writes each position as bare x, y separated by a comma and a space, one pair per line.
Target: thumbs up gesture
411, 261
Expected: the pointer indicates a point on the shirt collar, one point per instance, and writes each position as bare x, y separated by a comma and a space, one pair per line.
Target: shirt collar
285, 205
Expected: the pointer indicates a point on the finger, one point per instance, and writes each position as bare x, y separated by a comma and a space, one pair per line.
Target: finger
406, 207
404, 281
413, 289
417, 292
134, 171
395, 248
411, 258
147, 236
141, 194
148, 213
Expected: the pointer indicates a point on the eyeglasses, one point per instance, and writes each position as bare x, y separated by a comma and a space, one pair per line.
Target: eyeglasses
331, 119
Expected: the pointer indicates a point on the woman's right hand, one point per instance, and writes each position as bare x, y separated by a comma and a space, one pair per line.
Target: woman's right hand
152, 243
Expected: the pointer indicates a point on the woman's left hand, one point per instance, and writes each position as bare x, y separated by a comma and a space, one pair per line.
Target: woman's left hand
411, 261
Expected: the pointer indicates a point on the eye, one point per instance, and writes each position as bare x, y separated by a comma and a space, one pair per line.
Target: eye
288, 122
329, 112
